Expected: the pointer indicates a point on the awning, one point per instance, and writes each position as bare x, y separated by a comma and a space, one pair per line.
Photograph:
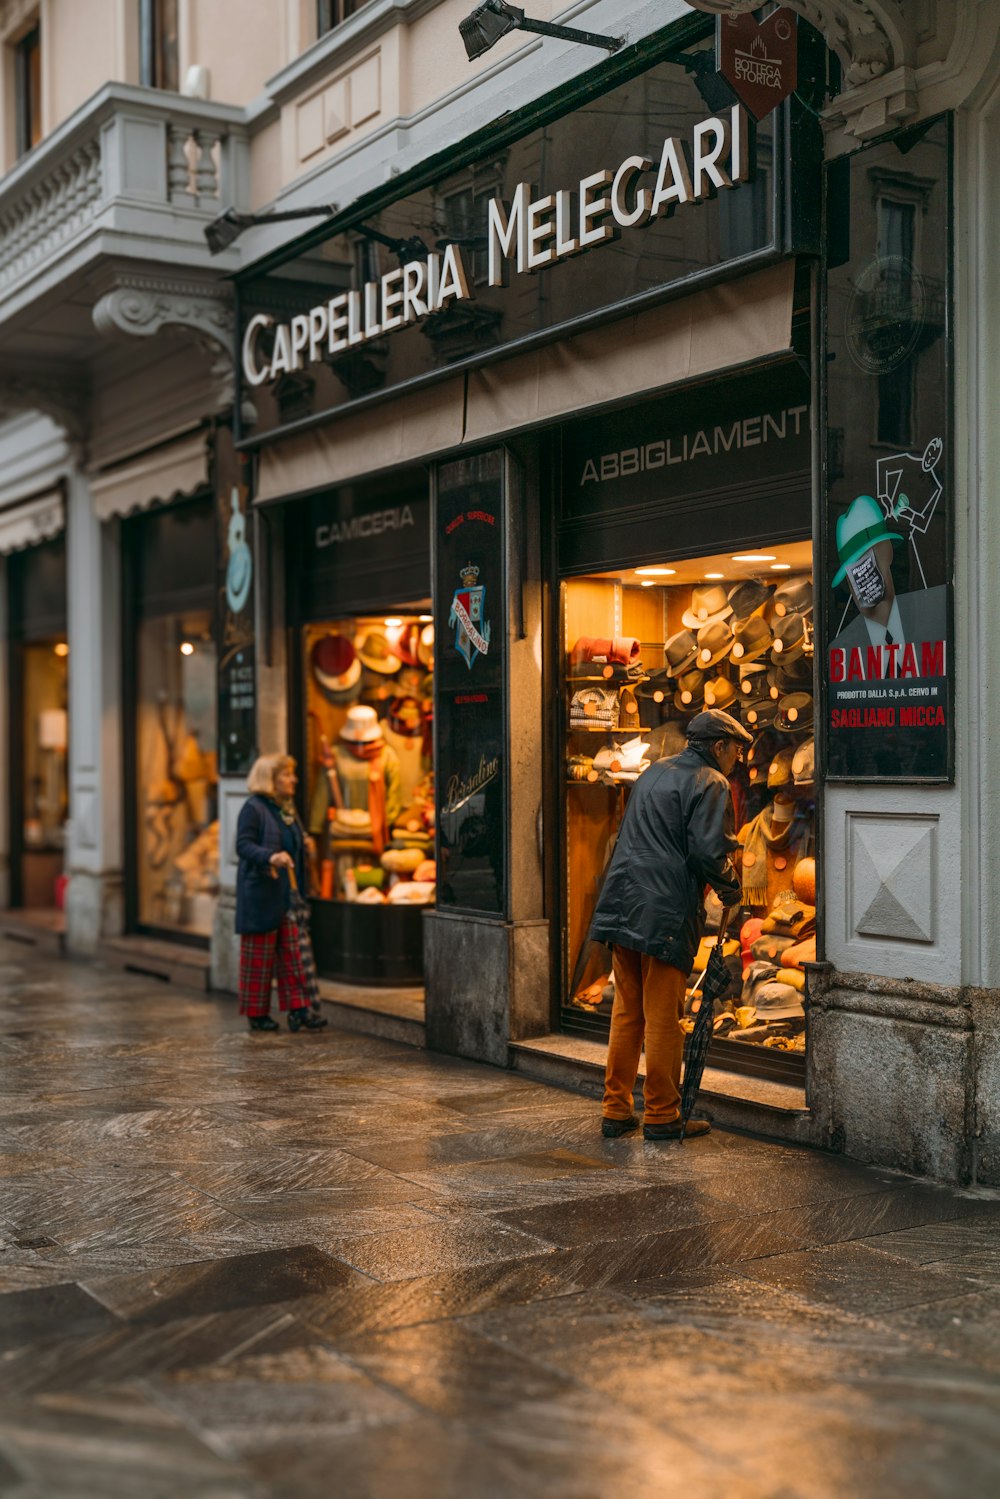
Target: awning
733, 324
31, 521
166, 473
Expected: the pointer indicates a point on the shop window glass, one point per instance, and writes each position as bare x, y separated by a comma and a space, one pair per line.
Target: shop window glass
176, 772
368, 774
44, 784
646, 647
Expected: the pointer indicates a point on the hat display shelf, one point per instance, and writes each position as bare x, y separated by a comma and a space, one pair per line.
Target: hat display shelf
698, 646
368, 773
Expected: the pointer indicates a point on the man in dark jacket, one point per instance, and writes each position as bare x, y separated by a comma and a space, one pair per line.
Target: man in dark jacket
676, 837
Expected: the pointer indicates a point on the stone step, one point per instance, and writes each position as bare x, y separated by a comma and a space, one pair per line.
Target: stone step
172, 963
44, 931
755, 1105
390, 1014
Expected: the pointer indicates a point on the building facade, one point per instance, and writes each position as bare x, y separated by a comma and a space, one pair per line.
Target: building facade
600, 388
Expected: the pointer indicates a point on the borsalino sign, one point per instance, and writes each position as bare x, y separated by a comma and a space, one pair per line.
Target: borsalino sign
532, 232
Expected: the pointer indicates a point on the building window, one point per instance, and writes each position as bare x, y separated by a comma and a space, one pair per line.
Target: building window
331, 13
28, 83
158, 44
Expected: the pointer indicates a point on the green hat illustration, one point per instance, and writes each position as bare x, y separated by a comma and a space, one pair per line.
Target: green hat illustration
861, 527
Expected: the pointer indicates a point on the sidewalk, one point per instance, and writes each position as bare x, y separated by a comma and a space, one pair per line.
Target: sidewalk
237, 1267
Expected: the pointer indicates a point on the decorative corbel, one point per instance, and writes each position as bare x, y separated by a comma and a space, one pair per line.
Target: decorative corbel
142, 307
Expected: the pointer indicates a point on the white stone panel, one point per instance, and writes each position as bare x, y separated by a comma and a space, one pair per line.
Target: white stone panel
366, 90
892, 877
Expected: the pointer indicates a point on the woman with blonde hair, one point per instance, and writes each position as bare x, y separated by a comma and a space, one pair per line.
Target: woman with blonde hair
271, 845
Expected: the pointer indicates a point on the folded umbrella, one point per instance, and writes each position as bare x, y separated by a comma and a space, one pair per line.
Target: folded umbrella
714, 984
299, 912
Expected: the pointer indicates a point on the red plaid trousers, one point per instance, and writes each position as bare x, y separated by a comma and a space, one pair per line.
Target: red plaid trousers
261, 953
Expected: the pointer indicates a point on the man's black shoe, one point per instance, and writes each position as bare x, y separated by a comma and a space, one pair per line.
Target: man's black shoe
611, 1129
672, 1131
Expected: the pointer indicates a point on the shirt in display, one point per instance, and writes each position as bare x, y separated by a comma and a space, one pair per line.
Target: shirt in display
892, 632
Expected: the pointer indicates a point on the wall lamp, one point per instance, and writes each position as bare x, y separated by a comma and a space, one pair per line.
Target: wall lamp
221, 232
492, 20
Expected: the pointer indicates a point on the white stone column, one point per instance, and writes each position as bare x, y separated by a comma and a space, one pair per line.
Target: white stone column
96, 842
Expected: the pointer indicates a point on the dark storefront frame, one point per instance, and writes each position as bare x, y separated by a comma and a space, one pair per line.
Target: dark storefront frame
37, 611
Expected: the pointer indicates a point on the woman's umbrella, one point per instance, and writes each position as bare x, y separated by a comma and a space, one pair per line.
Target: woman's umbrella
299, 912
714, 984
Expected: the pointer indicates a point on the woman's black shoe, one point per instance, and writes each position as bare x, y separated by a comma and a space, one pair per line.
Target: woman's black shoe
305, 1020
263, 1023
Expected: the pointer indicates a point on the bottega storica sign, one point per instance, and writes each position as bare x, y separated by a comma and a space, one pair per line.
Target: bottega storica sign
532, 232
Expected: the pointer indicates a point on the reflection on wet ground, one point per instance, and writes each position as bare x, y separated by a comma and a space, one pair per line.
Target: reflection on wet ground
236, 1267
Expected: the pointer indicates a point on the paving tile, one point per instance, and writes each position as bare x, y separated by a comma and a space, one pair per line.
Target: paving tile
627, 1215
222, 1285
36, 1316
439, 1246
965, 1246
857, 1278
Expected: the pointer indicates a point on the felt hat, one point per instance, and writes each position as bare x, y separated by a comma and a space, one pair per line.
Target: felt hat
715, 641
789, 639
858, 529
760, 713
793, 676
690, 691
779, 772
759, 757
751, 678
795, 713
795, 596
748, 596
715, 724
404, 717
403, 640
751, 638
804, 763
376, 653
804, 881
680, 652
769, 947
361, 726
720, 693
336, 669
776, 1001
709, 605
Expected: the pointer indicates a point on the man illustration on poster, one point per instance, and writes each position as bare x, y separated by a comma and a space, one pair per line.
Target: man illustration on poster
865, 548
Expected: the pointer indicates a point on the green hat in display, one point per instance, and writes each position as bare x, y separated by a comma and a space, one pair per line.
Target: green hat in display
860, 528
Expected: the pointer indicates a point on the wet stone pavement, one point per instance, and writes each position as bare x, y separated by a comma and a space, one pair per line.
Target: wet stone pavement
236, 1267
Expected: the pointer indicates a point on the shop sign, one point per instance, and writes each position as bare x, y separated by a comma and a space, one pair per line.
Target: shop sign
759, 59
888, 655
237, 692
470, 639
531, 232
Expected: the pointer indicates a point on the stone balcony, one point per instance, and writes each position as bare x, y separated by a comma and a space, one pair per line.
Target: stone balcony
129, 181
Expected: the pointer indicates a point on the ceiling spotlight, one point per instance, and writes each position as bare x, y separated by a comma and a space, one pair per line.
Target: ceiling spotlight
187, 649
61, 648
647, 583
781, 567
656, 572
221, 232
491, 21
754, 557
714, 576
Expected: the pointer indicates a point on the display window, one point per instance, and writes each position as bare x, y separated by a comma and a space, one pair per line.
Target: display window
368, 769
177, 781
44, 785
645, 648
171, 761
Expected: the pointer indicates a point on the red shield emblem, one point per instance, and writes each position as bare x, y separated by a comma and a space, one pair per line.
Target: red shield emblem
759, 60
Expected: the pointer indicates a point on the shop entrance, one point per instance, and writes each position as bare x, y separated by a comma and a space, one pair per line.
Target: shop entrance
667, 627
39, 660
